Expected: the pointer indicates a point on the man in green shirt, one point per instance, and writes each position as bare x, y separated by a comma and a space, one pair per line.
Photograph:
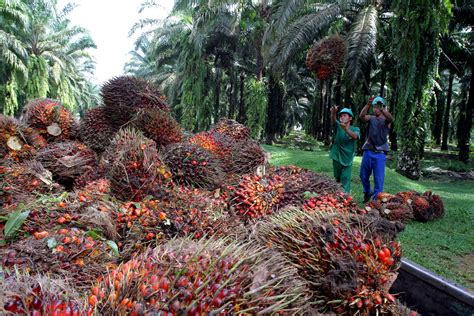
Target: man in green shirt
343, 147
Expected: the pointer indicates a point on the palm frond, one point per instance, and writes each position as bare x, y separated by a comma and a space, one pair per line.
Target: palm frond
362, 40
301, 33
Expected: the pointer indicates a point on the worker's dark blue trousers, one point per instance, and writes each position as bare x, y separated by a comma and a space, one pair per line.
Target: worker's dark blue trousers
372, 162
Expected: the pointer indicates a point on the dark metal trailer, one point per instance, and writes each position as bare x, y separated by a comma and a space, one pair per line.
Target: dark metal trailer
430, 294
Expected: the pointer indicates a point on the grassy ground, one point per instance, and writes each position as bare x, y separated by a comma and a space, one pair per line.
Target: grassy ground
445, 246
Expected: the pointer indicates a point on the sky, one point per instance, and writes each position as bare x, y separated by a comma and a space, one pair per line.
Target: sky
109, 22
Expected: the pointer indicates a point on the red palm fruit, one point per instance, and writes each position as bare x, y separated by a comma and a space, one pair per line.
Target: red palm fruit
436, 204
183, 281
232, 129
17, 141
124, 96
67, 161
49, 118
96, 130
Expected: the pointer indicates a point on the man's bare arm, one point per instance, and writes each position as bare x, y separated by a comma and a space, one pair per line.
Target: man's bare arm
363, 114
387, 115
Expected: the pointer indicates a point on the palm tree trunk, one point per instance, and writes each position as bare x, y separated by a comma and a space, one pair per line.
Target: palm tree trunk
327, 125
392, 136
241, 118
275, 113
383, 77
217, 95
444, 145
438, 121
337, 88
466, 125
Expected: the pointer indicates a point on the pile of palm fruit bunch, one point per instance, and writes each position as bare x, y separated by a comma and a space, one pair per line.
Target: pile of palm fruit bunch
408, 205
203, 277
348, 260
24, 294
326, 57
139, 219
17, 141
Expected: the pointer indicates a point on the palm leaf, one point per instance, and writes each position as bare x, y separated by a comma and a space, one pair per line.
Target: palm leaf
362, 40
301, 33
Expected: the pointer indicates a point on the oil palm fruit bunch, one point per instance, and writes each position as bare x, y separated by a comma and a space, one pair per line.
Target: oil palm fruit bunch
18, 142
339, 202
49, 118
436, 204
159, 126
392, 207
345, 257
22, 182
191, 165
255, 196
206, 277
133, 166
124, 96
67, 161
247, 157
297, 182
96, 131
327, 57
89, 176
393, 210
233, 129
219, 145
67, 252
23, 294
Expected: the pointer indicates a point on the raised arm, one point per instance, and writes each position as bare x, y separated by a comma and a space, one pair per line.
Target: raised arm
387, 114
363, 114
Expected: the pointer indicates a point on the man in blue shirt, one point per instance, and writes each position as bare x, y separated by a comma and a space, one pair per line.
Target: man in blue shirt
375, 147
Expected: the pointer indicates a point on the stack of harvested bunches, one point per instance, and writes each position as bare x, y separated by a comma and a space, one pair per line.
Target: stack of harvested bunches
125, 215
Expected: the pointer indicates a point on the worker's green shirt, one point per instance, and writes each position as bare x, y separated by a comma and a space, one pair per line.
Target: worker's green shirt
343, 147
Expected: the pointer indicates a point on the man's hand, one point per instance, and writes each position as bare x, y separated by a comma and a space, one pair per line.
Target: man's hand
345, 126
369, 101
334, 109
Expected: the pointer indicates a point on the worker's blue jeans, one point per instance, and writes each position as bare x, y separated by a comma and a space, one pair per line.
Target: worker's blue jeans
372, 162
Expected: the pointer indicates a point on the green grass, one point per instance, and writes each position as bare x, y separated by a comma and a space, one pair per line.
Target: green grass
445, 246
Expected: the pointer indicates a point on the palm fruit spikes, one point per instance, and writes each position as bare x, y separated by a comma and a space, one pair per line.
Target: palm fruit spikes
219, 145
347, 258
159, 126
201, 278
96, 131
192, 165
124, 96
247, 157
133, 166
18, 142
49, 118
327, 57
232, 129
67, 161
70, 253
23, 294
